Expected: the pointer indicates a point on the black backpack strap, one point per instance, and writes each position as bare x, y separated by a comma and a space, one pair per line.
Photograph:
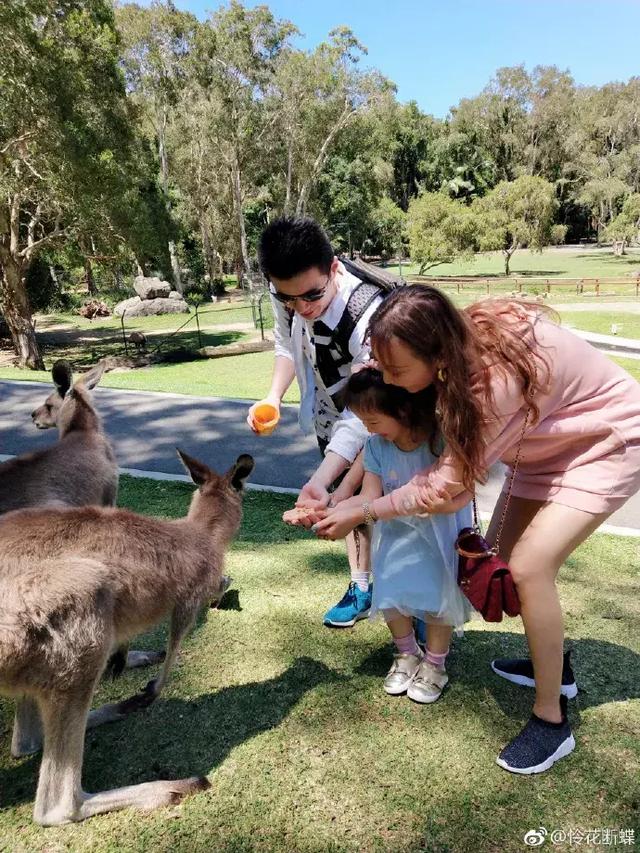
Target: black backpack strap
361, 298
333, 357
372, 274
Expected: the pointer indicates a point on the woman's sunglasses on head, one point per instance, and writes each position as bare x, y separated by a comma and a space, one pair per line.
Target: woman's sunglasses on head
313, 295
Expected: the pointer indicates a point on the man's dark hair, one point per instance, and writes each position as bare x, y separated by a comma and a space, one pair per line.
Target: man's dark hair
293, 244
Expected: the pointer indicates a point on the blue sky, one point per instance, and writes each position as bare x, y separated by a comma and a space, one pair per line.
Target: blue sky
439, 52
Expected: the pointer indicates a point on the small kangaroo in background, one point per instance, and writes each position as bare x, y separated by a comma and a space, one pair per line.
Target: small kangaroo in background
75, 584
80, 469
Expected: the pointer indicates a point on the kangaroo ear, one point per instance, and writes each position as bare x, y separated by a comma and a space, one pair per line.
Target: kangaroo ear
91, 378
62, 376
241, 470
198, 470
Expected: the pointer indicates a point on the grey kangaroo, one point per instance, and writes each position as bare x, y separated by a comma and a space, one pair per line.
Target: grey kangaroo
75, 584
80, 469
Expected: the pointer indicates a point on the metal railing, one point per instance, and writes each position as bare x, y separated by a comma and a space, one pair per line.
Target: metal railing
255, 308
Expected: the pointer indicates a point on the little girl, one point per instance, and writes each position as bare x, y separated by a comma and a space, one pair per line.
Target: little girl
414, 560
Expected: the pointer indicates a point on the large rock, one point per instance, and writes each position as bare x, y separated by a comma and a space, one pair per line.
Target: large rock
151, 288
136, 307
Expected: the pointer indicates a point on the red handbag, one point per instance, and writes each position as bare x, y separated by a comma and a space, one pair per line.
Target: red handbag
483, 576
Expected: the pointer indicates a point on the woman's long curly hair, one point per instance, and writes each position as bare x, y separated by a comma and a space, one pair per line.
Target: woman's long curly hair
490, 332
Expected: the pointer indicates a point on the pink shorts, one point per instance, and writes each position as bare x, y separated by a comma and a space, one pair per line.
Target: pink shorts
596, 487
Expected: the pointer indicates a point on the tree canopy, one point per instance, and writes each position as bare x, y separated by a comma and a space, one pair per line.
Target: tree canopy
144, 137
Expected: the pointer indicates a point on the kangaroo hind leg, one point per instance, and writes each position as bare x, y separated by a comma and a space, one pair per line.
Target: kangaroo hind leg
182, 619
27, 728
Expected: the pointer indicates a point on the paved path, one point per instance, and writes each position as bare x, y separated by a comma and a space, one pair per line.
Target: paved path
146, 427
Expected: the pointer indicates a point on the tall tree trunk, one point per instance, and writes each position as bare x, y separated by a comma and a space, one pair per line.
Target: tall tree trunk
346, 115
175, 267
237, 199
212, 260
15, 306
239, 271
287, 198
88, 277
164, 167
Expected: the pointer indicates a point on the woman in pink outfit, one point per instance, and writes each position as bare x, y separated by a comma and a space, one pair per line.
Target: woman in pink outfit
494, 365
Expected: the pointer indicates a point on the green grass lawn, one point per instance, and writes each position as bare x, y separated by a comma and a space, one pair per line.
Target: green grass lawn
248, 376
220, 313
601, 321
85, 341
242, 376
631, 365
551, 263
304, 750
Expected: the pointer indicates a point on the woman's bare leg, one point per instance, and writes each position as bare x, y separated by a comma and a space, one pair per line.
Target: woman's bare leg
537, 539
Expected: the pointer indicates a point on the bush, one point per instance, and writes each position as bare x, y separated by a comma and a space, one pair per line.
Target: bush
47, 294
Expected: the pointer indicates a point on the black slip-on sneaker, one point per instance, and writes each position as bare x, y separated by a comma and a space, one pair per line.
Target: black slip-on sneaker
520, 671
539, 745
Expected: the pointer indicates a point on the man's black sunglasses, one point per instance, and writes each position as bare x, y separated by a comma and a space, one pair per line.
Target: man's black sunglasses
313, 295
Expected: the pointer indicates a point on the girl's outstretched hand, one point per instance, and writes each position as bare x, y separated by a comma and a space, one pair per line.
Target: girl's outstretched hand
339, 521
302, 516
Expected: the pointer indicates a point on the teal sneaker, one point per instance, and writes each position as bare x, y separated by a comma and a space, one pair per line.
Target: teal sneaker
353, 605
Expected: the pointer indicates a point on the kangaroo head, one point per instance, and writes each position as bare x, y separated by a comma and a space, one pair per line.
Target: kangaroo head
60, 406
218, 500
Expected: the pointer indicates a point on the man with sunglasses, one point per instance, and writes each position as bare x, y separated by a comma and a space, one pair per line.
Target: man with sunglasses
320, 336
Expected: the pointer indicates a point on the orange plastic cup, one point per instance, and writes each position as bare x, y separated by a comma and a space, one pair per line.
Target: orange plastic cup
265, 417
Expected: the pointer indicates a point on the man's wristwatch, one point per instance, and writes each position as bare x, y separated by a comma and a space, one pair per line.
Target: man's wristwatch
367, 514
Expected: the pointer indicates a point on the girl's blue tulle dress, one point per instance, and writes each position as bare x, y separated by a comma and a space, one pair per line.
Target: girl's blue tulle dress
415, 565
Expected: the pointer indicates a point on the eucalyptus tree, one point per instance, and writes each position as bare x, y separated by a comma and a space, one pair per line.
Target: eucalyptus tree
68, 153
155, 42
316, 96
440, 230
232, 70
516, 214
625, 228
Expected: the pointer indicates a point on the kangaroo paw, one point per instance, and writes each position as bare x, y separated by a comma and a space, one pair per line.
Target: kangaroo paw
136, 659
140, 700
183, 787
225, 583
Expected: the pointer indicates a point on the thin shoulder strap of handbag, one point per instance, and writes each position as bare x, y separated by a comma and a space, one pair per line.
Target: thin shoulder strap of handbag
514, 469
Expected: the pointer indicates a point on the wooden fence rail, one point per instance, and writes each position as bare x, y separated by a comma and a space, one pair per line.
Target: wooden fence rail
519, 283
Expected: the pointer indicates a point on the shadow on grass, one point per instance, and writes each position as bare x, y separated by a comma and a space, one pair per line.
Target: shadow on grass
84, 347
605, 672
330, 563
177, 738
613, 260
536, 273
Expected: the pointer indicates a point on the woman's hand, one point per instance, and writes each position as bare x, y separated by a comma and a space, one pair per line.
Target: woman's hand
339, 521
